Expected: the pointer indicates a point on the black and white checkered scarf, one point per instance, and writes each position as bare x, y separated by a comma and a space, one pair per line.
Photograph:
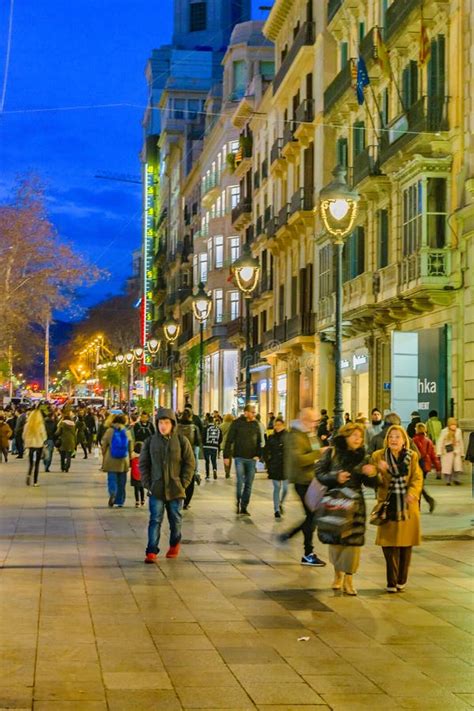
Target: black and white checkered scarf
398, 468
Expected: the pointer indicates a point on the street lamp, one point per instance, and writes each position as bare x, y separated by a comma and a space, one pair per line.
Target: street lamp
171, 331
153, 346
202, 305
338, 205
246, 270
129, 358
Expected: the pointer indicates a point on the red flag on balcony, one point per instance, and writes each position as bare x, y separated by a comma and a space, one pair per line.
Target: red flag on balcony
425, 46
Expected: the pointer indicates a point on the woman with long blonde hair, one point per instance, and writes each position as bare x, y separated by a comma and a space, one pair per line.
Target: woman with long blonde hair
398, 501
34, 437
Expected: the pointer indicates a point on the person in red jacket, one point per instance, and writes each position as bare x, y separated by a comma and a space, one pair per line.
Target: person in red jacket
428, 459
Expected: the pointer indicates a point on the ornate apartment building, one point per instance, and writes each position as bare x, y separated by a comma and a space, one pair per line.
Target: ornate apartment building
407, 150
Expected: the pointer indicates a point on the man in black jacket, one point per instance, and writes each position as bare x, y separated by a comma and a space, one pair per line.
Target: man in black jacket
143, 428
166, 469
244, 441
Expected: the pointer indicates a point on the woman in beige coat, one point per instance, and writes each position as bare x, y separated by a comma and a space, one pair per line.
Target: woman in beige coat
450, 449
400, 490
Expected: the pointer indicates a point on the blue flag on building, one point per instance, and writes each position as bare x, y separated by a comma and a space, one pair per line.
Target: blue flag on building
362, 80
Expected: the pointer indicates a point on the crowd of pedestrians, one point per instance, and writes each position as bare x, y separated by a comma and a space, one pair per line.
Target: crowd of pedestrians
329, 470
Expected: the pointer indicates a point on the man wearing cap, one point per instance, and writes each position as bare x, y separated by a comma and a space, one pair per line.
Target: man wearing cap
166, 469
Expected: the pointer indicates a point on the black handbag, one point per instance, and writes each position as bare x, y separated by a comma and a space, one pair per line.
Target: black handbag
449, 448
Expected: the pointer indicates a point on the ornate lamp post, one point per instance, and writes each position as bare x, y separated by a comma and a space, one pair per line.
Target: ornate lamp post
152, 347
202, 305
129, 358
119, 359
338, 205
171, 330
246, 271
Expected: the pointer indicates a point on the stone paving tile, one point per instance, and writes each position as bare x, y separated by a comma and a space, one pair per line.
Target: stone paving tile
219, 627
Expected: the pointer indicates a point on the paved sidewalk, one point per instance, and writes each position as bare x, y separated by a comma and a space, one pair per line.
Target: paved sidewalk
86, 625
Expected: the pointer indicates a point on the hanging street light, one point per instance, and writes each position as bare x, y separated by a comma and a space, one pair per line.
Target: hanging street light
246, 270
202, 306
339, 207
171, 330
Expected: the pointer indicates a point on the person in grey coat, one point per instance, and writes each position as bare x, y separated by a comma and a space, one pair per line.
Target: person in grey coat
166, 468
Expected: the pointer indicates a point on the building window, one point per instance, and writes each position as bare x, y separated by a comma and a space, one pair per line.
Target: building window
281, 303
341, 152
436, 212
234, 249
219, 251
358, 138
353, 255
179, 108
361, 31
267, 70
203, 267
326, 271
343, 55
209, 253
233, 146
239, 79
410, 84
234, 196
234, 301
193, 109
195, 269
294, 295
197, 17
412, 218
382, 239
218, 305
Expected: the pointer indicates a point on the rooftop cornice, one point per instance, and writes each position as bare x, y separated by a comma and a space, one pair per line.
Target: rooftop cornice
276, 18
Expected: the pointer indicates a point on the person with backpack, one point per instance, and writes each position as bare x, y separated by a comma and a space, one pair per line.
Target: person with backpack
117, 450
167, 468
188, 429
428, 460
211, 444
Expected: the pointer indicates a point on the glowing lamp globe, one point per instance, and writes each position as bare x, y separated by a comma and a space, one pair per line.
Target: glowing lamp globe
246, 271
171, 330
202, 304
338, 205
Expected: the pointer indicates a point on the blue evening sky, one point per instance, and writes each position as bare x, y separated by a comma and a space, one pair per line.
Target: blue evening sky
89, 54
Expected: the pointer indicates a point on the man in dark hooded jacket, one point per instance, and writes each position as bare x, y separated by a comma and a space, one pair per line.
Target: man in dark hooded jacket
166, 469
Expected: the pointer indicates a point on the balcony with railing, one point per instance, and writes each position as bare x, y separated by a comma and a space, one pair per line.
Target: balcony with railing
249, 234
275, 152
397, 15
305, 36
428, 115
271, 227
368, 45
283, 215
300, 325
302, 201
304, 116
210, 189
366, 163
337, 88
288, 134
427, 267
242, 213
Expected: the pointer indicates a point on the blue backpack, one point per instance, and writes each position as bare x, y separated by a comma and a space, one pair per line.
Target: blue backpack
119, 443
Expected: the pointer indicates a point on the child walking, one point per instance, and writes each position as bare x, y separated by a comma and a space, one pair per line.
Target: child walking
135, 479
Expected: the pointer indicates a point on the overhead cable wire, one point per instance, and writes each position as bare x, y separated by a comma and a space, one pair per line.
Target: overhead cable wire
7, 57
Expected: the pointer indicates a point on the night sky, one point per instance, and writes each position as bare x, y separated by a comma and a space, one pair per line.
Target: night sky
90, 53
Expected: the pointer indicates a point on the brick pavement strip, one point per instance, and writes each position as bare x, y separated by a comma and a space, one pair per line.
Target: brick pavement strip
85, 625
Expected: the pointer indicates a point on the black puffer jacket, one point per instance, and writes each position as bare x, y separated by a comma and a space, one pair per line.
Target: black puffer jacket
274, 455
337, 459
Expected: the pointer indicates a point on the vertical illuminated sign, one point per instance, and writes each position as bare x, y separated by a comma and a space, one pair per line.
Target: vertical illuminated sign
148, 225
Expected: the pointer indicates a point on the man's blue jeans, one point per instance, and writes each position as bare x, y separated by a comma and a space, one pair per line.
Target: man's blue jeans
280, 491
48, 450
116, 484
245, 471
157, 512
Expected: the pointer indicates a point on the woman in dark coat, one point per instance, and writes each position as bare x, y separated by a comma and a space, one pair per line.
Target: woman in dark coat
274, 458
345, 465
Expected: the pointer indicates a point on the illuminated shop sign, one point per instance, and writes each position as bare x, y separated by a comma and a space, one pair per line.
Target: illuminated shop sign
151, 184
357, 361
